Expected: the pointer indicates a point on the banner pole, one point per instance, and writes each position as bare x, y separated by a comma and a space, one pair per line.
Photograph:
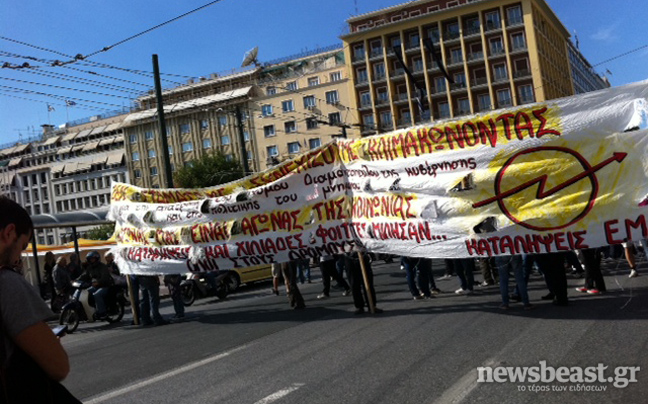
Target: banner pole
134, 309
372, 307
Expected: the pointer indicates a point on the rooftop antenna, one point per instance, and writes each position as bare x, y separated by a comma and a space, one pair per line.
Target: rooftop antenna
576, 39
251, 57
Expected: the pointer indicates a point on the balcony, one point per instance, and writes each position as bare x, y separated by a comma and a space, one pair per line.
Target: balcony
515, 21
438, 90
379, 76
400, 98
386, 125
412, 46
382, 99
493, 26
522, 73
362, 81
460, 112
526, 100
365, 105
455, 61
375, 53
358, 58
521, 47
404, 122
500, 78
479, 81
475, 56
471, 31
397, 72
457, 86
418, 68
450, 36
497, 52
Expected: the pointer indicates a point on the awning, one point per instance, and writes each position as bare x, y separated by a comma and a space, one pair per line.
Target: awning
83, 167
113, 126
100, 159
69, 136
99, 129
15, 162
69, 219
105, 142
7, 152
21, 148
77, 147
58, 168
84, 133
119, 138
64, 150
195, 103
90, 146
115, 158
51, 140
7, 179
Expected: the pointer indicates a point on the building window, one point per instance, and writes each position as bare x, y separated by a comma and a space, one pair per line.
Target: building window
526, 94
365, 99
332, 97
483, 101
309, 102
361, 75
313, 81
417, 64
269, 131
249, 154
185, 128
444, 110
518, 41
266, 110
135, 156
464, 106
314, 143
381, 95
334, 118
151, 154
187, 147
207, 143
154, 171
204, 124
271, 90
293, 147
222, 120
504, 98
514, 15
311, 123
137, 173
291, 86
368, 121
272, 151
439, 84
460, 80
148, 135
386, 120
456, 56
379, 71
133, 138
499, 72
290, 127
493, 20
287, 106
496, 46
225, 140
170, 150
358, 52
246, 136
336, 76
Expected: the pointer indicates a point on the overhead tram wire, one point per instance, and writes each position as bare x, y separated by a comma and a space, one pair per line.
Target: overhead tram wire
60, 97
65, 88
77, 105
80, 80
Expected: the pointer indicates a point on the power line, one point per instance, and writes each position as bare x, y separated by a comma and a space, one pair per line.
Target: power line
77, 105
64, 88
621, 55
60, 97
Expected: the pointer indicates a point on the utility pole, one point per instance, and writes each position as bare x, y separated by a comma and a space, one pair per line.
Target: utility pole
239, 123
162, 123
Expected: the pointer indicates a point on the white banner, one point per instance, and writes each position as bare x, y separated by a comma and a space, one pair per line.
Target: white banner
546, 177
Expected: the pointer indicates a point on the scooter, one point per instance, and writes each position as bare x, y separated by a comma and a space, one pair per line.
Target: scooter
195, 285
82, 306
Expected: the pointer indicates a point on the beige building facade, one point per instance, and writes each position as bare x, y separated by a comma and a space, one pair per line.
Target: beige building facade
497, 53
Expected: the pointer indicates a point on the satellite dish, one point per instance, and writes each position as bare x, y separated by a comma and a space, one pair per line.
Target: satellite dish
251, 57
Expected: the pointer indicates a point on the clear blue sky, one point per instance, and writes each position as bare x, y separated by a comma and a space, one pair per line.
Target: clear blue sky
215, 39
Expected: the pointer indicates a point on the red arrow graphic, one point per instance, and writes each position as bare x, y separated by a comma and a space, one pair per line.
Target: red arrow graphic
542, 181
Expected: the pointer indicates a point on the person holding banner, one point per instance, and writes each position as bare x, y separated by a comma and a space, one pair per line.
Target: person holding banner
354, 271
464, 267
512, 263
289, 271
327, 266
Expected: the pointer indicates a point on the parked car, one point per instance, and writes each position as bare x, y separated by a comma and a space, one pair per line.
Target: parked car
238, 276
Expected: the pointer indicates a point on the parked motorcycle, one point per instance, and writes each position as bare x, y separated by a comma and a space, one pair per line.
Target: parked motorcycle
195, 286
82, 306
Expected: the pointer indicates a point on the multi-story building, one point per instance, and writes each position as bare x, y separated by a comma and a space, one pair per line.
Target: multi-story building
200, 118
303, 104
497, 53
65, 170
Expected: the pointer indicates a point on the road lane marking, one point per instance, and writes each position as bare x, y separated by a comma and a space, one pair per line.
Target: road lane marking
146, 382
279, 394
464, 386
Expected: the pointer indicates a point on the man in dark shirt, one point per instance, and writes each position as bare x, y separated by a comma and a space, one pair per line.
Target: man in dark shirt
98, 274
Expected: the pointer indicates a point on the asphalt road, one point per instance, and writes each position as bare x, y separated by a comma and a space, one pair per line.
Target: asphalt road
253, 349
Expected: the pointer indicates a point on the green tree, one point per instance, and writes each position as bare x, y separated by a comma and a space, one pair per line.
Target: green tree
103, 232
208, 170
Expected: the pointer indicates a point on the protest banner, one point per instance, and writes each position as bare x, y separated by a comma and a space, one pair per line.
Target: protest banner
552, 176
